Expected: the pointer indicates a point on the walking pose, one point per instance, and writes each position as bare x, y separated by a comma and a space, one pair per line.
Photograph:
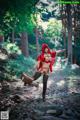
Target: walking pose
44, 65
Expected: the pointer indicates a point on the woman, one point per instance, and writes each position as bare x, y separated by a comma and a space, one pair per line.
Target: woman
44, 65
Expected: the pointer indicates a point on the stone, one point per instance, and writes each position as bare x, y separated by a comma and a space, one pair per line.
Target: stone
69, 112
49, 118
38, 112
16, 98
5, 86
55, 112
51, 112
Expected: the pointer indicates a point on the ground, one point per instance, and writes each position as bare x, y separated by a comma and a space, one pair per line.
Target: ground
62, 96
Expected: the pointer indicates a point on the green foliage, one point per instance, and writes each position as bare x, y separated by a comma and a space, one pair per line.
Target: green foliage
1, 33
52, 35
11, 48
17, 15
20, 65
14, 67
54, 28
26, 24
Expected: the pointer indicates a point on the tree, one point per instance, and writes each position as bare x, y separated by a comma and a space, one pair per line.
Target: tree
24, 44
69, 28
70, 21
20, 16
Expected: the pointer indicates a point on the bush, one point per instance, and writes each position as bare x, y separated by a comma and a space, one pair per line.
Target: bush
11, 48
20, 65
15, 67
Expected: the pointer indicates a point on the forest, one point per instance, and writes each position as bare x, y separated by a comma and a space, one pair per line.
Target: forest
26, 25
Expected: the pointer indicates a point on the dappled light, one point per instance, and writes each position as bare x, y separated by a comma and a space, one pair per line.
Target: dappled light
39, 60
61, 83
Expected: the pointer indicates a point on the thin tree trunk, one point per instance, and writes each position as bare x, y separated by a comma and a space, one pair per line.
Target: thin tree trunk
64, 29
75, 34
37, 41
24, 44
69, 27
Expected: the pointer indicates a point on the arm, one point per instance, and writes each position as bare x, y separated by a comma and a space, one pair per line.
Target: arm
60, 51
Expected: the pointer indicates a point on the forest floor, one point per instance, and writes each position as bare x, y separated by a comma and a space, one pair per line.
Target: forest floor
62, 98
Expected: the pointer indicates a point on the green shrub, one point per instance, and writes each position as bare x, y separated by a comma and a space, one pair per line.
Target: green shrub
20, 65
11, 47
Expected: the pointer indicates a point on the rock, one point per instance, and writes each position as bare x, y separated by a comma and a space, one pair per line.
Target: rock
3, 56
77, 114
35, 84
38, 112
18, 88
5, 83
16, 98
49, 118
27, 119
5, 86
25, 115
55, 112
4, 51
47, 107
15, 79
51, 112
69, 112
5, 104
74, 66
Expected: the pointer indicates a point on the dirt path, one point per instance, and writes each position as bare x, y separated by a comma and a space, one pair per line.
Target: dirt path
62, 99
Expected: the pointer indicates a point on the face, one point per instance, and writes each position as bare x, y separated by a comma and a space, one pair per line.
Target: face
46, 50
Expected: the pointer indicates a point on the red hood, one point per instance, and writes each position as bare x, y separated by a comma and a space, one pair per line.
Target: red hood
45, 46
41, 56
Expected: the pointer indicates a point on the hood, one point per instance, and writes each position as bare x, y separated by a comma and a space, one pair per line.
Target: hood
45, 46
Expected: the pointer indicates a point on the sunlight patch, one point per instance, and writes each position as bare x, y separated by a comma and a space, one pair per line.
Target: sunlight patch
61, 83
49, 83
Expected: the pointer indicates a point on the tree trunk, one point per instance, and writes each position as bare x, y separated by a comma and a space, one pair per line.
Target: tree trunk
64, 29
24, 44
64, 36
69, 27
37, 42
75, 35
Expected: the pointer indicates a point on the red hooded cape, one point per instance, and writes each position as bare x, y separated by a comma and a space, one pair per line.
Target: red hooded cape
42, 59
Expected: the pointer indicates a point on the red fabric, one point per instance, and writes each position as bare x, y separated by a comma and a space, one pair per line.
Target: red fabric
42, 59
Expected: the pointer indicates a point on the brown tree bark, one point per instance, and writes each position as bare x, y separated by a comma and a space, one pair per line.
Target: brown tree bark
63, 13
69, 28
24, 44
37, 41
75, 35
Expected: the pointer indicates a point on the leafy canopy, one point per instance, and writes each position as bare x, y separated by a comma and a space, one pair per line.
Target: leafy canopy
18, 15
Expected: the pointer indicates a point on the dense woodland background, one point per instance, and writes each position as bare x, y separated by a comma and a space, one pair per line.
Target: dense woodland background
24, 26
